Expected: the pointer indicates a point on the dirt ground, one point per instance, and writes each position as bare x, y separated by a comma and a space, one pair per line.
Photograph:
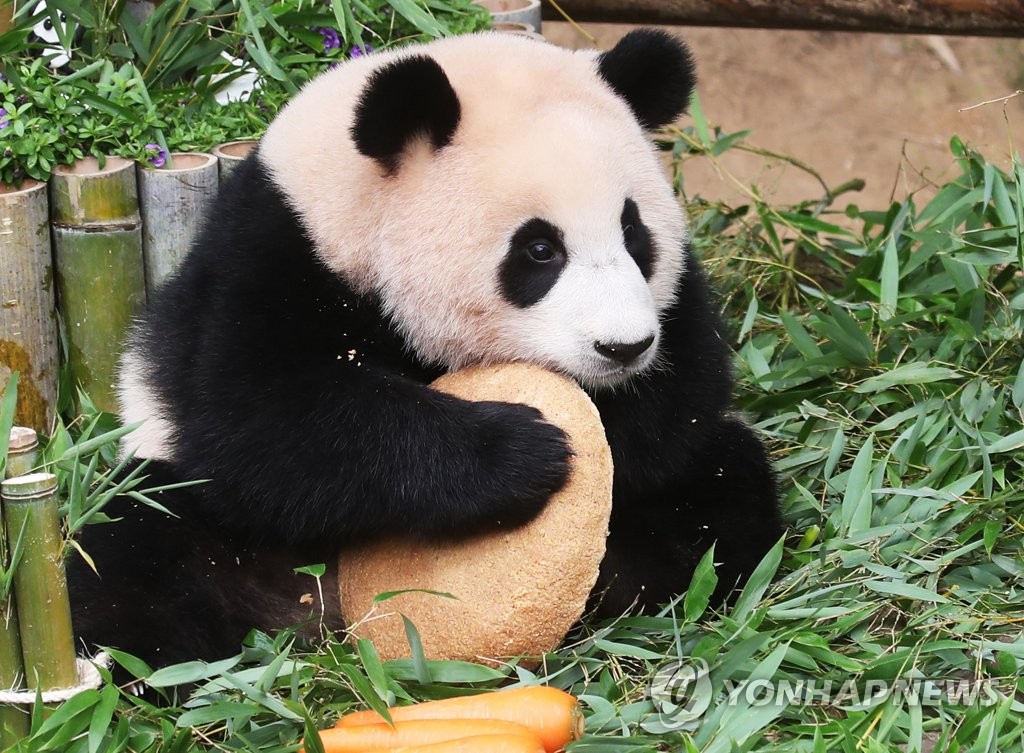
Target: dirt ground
873, 106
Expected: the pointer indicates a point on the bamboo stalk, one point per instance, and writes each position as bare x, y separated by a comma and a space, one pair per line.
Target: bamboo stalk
14, 721
514, 11
97, 237
28, 325
173, 202
40, 585
231, 154
22, 452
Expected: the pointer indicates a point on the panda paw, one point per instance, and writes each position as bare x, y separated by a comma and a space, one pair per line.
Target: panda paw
524, 461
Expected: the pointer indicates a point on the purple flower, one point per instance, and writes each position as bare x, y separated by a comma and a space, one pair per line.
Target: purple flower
4, 122
156, 155
331, 39
359, 50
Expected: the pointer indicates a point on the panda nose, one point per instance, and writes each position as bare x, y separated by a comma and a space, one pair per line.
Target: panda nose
624, 353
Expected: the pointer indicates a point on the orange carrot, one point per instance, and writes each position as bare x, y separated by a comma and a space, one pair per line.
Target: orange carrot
553, 715
381, 737
477, 744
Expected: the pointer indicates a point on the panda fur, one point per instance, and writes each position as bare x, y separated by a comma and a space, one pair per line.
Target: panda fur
479, 199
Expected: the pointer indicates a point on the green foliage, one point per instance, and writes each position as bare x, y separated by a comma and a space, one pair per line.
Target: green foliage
152, 80
890, 387
880, 353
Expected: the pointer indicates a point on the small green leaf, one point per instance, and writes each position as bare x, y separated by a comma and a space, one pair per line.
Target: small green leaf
702, 585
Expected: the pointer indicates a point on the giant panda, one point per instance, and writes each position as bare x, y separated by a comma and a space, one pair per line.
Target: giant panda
485, 198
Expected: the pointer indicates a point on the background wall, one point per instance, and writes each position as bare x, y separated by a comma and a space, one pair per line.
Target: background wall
875, 106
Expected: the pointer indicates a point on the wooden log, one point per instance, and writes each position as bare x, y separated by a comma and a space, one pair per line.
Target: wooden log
28, 323
1002, 18
229, 155
14, 722
173, 202
40, 583
97, 235
7, 10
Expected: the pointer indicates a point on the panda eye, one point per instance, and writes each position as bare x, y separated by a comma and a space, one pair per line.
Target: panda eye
48, 24
541, 251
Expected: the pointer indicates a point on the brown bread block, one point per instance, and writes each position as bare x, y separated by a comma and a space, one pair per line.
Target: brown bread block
518, 592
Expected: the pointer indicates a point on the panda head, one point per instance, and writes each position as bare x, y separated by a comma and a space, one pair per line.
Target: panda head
45, 31
500, 196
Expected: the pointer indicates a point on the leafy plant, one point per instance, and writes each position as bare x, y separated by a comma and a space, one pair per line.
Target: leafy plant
154, 79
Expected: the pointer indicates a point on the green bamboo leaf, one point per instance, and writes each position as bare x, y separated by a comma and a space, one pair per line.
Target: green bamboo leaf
799, 336
190, 672
376, 673
419, 659
8, 405
624, 649
911, 373
102, 716
444, 672
845, 333
702, 585
811, 224
234, 712
1008, 443
758, 582
83, 449
856, 508
890, 280
418, 17
700, 123
364, 689
904, 590
311, 736
725, 143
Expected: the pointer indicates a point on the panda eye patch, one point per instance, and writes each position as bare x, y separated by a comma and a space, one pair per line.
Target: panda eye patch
535, 258
637, 239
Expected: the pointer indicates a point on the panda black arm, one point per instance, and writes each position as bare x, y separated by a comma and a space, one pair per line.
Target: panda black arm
297, 400
687, 473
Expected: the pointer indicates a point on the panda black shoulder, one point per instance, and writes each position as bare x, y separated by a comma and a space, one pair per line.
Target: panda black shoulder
252, 296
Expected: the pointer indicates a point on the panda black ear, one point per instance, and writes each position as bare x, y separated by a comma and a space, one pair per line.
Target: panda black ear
408, 98
654, 72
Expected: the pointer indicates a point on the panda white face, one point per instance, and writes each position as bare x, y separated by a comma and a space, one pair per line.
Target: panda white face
586, 307
539, 228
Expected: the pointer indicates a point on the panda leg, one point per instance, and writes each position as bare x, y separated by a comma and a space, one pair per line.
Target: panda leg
171, 588
721, 493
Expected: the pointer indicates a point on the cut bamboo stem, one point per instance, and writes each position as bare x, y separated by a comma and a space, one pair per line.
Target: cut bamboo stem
173, 203
22, 452
28, 324
97, 236
40, 584
230, 155
14, 721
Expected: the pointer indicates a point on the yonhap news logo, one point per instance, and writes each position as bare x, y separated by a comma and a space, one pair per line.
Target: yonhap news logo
682, 692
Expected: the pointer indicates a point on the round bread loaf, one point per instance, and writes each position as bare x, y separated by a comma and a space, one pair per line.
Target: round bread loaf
518, 592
